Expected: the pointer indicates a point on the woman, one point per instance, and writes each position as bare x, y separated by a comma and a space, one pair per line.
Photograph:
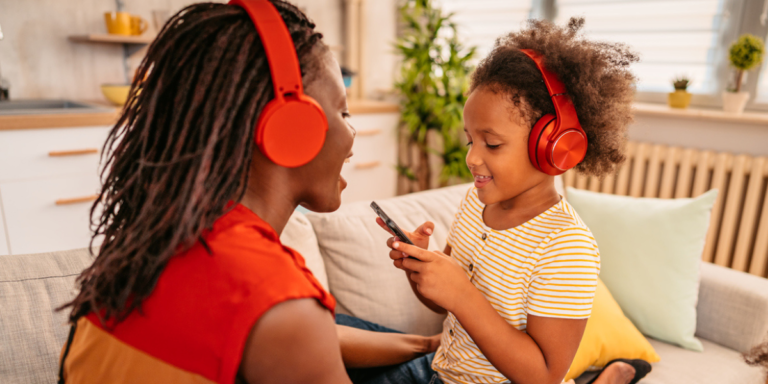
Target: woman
191, 283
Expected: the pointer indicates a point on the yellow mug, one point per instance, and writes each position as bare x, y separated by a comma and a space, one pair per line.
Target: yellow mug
118, 23
138, 25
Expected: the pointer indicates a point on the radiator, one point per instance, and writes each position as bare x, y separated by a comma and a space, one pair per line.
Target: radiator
738, 232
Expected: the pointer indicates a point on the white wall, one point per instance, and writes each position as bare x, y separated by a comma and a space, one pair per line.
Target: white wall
379, 53
40, 62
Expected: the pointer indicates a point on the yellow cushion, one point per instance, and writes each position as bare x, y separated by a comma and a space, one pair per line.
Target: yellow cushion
609, 335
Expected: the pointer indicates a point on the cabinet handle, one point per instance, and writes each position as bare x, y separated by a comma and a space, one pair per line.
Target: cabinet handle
368, 165
74, 152
75, 200
369, 132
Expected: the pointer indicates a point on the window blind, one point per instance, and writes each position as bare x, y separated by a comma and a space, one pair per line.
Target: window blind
480, 22
673, 37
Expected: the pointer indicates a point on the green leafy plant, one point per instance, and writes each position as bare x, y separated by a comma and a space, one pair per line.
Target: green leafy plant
434, 80
681, 83
745, 54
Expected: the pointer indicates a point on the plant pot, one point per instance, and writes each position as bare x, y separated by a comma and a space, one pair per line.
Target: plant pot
734, 102
679, 99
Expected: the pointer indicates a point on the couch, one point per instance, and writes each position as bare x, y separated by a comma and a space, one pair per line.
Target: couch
346, 251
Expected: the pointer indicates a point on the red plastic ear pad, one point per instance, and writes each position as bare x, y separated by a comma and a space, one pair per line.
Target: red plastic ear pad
538, 136
291, 131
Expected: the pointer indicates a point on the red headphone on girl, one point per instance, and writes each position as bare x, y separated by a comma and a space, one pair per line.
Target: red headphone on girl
291, 128
557, 142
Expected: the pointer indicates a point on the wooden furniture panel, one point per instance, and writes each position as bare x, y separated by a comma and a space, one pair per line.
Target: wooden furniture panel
372, 173
43, 153
35, 223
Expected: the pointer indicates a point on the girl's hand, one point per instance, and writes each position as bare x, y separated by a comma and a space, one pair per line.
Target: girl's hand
420, 236
438, 277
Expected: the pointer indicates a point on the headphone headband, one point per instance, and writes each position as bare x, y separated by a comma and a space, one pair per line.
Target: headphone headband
291, 128
564, 109
278, 45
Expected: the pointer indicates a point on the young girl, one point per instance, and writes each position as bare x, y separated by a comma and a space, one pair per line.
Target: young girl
519, 272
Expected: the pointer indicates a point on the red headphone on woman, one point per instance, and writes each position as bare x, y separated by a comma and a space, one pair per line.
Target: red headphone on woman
291, 128
556, 148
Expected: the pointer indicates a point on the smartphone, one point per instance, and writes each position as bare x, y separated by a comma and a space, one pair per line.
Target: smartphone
390, 223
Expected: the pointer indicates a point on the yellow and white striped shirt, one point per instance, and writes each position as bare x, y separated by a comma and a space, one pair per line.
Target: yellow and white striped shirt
547, 267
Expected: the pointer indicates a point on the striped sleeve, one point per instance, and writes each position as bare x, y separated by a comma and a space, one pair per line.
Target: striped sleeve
455, 223
565, 277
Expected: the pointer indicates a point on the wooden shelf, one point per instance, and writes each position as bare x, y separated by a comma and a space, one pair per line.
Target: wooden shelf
112, 39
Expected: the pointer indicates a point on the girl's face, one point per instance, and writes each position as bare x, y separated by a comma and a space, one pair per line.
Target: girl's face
498, 153
320, 179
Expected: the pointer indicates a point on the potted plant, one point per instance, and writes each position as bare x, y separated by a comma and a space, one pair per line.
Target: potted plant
745, 54
432, 86
680, 98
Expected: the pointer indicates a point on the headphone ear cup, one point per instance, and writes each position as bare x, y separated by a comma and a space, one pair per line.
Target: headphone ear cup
537, 141
291, 131
567, 150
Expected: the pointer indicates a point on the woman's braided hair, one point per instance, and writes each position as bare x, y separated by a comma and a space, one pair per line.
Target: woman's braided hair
182, 147
596, 75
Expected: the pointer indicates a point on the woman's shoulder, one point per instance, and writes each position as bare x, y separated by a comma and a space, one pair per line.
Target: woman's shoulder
245, 251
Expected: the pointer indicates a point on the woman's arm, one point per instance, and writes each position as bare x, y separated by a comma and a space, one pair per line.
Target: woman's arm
364, 349
294, 342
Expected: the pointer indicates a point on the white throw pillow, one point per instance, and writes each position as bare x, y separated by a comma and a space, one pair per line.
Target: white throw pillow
360, 272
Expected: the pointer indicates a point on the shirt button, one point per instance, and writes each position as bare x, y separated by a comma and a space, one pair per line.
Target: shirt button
471, 267
450, 332
484, 236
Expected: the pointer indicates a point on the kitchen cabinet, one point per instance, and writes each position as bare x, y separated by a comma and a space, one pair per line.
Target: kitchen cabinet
49, 177
51, 214
48, 181
372, 172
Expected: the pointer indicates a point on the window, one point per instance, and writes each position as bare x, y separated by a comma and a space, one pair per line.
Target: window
480, 22
762, 86
673, 37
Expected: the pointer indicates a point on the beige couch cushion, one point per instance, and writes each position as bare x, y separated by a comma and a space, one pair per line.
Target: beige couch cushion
716, 365
31, 332
298, 234
732, 308
360, 272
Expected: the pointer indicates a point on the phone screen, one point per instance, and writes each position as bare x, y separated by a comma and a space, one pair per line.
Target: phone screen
390, 223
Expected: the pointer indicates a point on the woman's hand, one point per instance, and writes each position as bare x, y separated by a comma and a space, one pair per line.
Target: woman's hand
438, 277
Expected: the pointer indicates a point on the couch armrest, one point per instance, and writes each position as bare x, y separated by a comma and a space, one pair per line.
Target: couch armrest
733, 308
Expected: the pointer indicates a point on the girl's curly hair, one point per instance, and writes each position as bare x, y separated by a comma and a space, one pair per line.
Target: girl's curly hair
596, 75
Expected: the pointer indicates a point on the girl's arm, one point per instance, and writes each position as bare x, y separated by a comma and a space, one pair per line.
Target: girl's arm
364, 349
542, 355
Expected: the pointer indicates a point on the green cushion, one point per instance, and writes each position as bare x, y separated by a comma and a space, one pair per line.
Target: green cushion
650, 252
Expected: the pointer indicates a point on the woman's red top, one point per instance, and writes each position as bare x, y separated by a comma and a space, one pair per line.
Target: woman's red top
193, 327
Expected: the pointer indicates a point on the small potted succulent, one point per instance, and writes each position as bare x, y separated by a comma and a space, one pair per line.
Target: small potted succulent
680, 98
745, 54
